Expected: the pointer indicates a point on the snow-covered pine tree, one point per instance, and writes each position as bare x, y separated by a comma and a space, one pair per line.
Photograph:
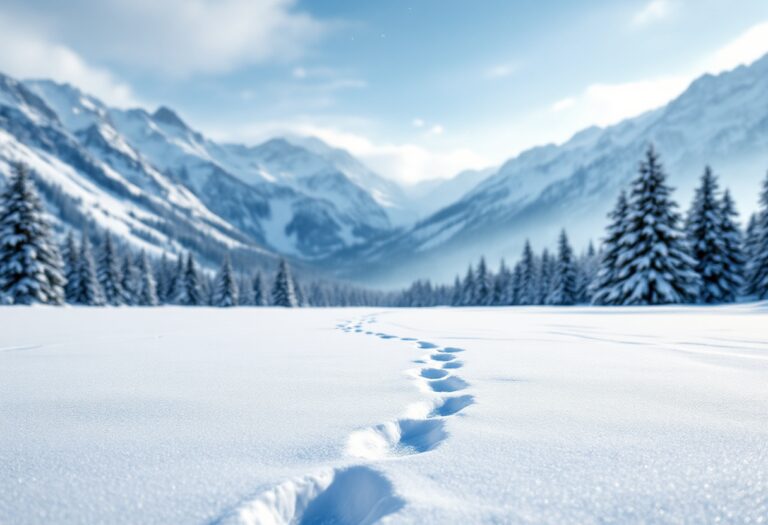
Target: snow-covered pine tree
163, 273
191, 285
502, 285
318, 295
518, 283
282, 290
751, 241
483, 285
759, 263
468, 288
733, 275
456, 292
545, 275
654, 264
564, 285
226, 286
527, 286
587, 268
175, 285
259, 290
31, 269
109, 272
298, 291
71, 268
606, 290
130, 281
705, 239
148, 291
89, 291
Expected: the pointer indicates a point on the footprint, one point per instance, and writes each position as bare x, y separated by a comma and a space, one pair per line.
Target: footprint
346, 496
387, 336
407, 338
442, 357
452, 350
449, 384
426, 345
396, 438
452, 405
433, 373
356, 495
453, 364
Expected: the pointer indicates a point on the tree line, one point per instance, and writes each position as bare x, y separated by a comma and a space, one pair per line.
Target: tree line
33, 269
649, 255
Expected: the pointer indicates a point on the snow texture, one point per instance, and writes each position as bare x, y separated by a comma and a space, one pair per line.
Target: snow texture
472, 415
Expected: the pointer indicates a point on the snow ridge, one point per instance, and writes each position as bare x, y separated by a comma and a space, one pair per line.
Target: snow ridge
360, 494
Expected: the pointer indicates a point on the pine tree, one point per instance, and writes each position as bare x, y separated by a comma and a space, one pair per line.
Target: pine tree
545, 275
282, 290
564, 291
298, 292
226, 286
518, 284
456, 292
605, 288
587, 269
175, 282
751, 242
130, 281
502, 286
733, 275
468, 288
71, 268
30, 264
89, 291
759, 263
191, 285
259, 290
706, 241
528, 293
163, 275
483, 295
148, 291
654, 265
109, 273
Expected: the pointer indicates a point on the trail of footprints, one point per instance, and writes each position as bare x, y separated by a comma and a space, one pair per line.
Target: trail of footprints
424, 428
360, 494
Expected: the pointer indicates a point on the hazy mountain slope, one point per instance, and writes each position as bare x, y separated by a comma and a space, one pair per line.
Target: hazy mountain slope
719, 120
169, 187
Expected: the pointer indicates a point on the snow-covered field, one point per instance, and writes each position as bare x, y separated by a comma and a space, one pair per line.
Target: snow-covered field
537, 415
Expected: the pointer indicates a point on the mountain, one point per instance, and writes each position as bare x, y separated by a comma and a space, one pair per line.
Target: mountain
431, 195
719, 120
159, 184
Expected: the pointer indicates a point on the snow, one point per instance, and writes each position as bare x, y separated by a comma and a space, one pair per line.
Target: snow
470, 415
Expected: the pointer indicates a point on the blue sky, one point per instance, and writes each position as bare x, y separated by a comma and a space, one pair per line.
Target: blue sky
418, 89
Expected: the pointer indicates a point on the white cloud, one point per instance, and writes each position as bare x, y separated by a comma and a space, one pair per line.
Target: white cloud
176, 37
436, 129
748, 47
563, 104
407, 163
501, 70
653, 11
418, 123
299, 72
604, 103
23, 54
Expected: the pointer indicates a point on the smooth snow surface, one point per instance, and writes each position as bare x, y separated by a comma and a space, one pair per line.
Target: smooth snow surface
470, 415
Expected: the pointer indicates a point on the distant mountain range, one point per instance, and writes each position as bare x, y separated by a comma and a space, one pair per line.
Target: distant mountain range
719, 120
159, 184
